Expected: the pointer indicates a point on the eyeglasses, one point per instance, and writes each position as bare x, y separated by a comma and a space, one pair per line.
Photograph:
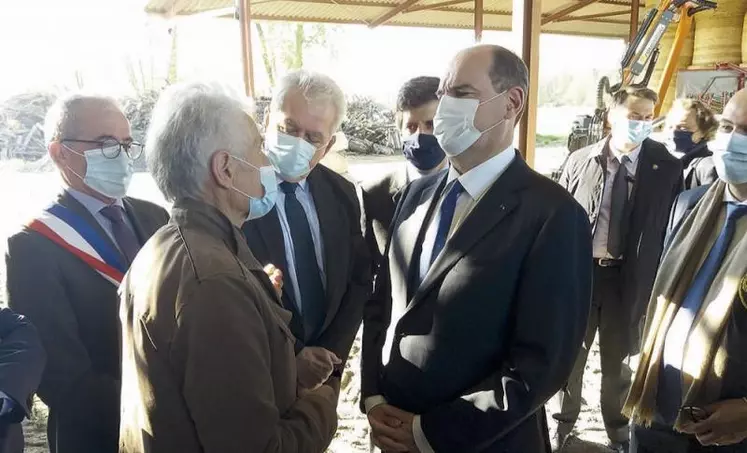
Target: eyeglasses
112, 148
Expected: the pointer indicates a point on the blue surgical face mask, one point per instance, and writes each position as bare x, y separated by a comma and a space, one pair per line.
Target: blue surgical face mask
423, 151
630, 132
259, 207
109, 177
291, 156
730, 157
683, 140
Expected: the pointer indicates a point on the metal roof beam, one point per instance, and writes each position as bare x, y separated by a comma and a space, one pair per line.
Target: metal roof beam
391, 13
569, 10
436, 5
592, 16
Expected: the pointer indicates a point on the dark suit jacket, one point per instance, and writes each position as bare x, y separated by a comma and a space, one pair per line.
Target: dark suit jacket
380, 197
699, 169
734, 377
347, 262
494, 329
75, 312
658, 180
21, 364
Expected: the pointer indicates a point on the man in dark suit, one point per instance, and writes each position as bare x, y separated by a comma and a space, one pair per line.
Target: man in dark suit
416, 106
21, 364
65, 266
313, 235
480, 314
675, 410
628, 206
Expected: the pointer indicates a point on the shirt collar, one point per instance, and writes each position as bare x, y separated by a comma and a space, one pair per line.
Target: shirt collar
303, 184
479, 179
599, 151
92, 204
730, 198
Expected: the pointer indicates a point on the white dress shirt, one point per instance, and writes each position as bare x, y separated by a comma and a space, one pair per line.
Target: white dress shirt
476, 183
601, 230
303, 195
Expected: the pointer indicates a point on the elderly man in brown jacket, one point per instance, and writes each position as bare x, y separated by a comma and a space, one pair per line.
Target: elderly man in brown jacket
208, 360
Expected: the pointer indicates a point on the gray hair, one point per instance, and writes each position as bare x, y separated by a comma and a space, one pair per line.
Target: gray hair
63, 118
189, 124
508, 70
316, 88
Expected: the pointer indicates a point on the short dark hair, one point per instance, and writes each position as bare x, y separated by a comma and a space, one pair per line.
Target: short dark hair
417, 92
622, 95
508, 71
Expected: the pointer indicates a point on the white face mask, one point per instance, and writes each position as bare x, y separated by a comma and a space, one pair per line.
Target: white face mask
291, 156
627, 132
730, 157
454, 123
109, 177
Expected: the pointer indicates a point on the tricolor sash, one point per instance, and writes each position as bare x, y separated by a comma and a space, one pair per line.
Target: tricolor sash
71, 232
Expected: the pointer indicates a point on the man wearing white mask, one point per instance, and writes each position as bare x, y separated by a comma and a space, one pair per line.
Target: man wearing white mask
313, 235
64, 268
689, 394
208, 361
479, 312
626, 183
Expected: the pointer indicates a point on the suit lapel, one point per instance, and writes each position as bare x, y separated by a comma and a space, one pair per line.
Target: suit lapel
143, 228
497, 203
335, 240
68, 201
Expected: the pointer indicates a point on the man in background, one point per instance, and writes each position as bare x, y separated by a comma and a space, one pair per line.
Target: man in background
626, 183
313, 234
65, 266
478, 316
417, 102
690, 392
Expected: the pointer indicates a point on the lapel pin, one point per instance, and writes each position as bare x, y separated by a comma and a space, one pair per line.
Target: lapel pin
656, 167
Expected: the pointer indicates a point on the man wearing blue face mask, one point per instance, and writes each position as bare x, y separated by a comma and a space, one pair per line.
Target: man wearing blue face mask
480, 307
416, 106
689, 394
313, 235
626, 183
693, 125
65, 266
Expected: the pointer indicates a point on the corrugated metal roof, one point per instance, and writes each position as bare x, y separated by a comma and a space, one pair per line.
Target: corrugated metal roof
605, 18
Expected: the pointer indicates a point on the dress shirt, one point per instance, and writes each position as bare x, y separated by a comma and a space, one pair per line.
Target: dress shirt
476, 182
601, 230
303, 195
94, 206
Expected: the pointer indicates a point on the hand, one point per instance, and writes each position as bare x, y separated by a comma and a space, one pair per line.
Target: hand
325, 391
276, 278
726, 424
391, 429
315, 365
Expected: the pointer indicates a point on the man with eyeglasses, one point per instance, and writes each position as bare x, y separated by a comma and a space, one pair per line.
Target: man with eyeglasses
64, 268
313, 235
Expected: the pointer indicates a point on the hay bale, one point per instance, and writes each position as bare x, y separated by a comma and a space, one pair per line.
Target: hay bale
718, 34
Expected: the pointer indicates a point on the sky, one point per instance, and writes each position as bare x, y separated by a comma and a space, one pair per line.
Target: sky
52, 44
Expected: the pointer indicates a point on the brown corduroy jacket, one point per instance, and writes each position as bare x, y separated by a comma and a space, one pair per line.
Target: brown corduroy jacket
208, 359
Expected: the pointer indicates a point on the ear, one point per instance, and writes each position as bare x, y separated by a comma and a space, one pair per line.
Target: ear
331, 143
516, 101
58, 154
222, 169
697, 137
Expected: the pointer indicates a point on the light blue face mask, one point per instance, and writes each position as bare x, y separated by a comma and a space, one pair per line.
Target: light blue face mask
291, 156
259, 207
630, 132
109, 177
730, 157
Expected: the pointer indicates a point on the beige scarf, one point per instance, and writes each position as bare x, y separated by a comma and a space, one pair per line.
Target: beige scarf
704, 355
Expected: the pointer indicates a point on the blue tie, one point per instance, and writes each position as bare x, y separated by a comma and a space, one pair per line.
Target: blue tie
447, 216
669, 395
312, 303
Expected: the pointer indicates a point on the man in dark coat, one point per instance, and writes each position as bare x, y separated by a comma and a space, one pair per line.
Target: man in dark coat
64, 268
626, 183
479, 315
